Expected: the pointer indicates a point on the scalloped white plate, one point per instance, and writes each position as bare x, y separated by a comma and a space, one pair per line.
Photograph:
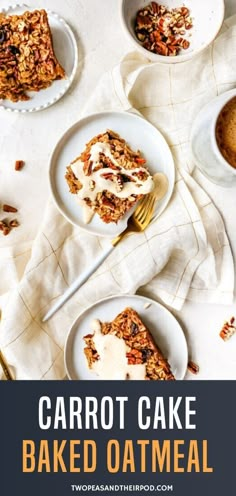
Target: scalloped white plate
66, 51
164, 327
138, 132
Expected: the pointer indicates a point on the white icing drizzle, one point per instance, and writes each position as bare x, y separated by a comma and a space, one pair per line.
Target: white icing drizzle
113, 363
96, 325
88, 213
95, 183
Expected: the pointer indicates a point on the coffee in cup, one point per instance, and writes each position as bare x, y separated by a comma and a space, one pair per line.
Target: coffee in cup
225, 132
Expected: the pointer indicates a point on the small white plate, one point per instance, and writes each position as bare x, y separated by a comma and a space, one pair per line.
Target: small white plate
165, 330
66, 51
200, 139
140, 135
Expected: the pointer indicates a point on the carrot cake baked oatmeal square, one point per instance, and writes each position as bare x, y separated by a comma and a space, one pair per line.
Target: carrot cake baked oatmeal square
125, 349
27, 59
108, 178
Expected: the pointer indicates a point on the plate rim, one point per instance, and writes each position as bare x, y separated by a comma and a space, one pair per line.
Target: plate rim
68, 81
70, 130
118, 296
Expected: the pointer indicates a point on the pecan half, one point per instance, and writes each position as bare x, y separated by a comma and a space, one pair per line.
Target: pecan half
155, 7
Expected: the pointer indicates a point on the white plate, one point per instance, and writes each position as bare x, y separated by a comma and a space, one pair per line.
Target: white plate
165, 330
202, 150
66, 51
139, 133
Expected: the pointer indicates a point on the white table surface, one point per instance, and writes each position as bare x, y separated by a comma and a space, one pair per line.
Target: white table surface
102, 44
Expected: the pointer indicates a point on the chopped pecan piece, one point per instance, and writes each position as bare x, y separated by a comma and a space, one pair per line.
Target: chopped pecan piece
9, 208
19, 165
184, 11
109, 176
88, 167
228, 329
193, 367
155, 7
4, 227
14, 223
106, 202
92, 184
6, 231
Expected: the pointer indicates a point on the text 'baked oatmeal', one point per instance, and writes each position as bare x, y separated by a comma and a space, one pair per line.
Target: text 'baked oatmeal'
125, 349
108, 177
27, 59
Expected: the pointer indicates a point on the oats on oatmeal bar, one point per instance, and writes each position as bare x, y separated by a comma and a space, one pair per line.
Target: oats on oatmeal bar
109, 177
125, 349
27, 59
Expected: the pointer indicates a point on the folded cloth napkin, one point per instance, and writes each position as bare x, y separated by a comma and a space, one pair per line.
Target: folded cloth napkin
184, 254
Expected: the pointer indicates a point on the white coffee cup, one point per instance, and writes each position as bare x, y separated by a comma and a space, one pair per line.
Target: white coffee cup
215, 147
205, 150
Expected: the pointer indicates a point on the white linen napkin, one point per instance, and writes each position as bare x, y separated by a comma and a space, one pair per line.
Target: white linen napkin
185, 254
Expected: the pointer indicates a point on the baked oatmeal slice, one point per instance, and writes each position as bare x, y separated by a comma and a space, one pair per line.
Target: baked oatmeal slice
108, 177
139, 348
27, 58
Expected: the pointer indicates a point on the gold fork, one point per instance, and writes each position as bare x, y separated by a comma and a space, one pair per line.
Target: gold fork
5, 367
143, 213
140, 219
138, 222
